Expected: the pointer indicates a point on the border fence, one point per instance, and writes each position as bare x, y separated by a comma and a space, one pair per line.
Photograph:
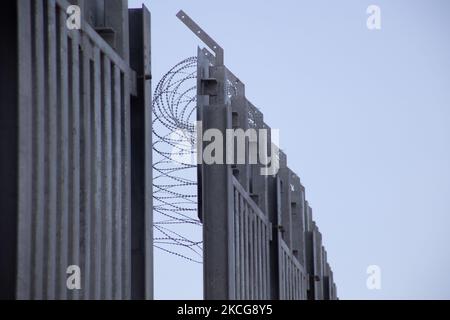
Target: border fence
261, 241
76, 167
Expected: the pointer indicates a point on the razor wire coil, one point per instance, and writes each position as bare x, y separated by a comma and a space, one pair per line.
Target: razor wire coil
174, 164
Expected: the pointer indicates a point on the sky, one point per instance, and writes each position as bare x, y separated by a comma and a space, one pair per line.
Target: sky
364, 119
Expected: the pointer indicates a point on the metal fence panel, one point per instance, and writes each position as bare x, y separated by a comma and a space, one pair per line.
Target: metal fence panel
74, 157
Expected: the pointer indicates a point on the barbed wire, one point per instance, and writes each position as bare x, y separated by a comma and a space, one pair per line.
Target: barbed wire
174, 163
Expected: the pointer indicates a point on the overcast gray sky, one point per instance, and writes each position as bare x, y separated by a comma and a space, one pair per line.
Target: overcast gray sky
364, 119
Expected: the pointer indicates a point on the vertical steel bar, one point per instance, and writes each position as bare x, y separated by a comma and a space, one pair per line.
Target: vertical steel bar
237, 246
96, 166
51, 155
247, 253
38, 149
251, 256
25, 165
117, 185
126, 187
106, 212
75, 97
86, 76
242, 249
63, 155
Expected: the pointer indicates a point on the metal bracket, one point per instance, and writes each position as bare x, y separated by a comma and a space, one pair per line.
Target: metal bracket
202, 35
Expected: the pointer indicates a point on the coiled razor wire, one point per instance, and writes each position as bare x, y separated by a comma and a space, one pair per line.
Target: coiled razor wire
174, 163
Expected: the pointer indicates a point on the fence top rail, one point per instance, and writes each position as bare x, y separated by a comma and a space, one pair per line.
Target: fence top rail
250, 201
